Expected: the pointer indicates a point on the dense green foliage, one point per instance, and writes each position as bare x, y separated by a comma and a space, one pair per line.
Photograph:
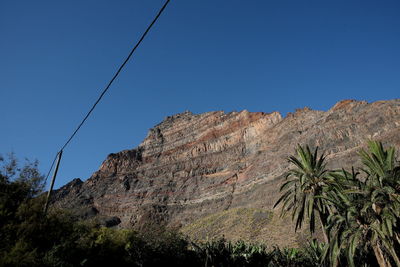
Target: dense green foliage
359, 212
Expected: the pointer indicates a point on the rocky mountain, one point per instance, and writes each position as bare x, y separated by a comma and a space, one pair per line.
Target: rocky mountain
192, 168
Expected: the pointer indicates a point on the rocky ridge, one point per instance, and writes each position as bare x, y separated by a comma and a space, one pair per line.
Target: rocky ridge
193, 165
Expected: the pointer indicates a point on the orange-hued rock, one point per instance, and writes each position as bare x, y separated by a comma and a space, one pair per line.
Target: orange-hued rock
193, 165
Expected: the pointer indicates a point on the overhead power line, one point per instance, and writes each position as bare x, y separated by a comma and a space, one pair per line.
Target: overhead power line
51, 167
59, 153
115, 75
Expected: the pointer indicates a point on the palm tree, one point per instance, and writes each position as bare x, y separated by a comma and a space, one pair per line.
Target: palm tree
382, 193
366, 211
305, 182
346, 225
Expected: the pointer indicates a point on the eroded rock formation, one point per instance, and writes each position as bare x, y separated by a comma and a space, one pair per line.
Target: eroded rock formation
190, 166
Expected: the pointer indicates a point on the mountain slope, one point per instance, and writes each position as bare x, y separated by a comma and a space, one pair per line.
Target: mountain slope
193, 166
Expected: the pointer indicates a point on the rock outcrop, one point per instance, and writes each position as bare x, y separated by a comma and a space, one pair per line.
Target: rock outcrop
193, 165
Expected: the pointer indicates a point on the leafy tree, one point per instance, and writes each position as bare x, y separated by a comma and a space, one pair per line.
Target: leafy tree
18, 187
366, 210
382, 200
305, 182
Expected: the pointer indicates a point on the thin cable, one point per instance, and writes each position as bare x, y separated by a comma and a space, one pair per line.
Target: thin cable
51, 167
115, 75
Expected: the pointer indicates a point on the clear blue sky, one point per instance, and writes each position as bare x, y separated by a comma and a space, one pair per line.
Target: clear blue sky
57, 56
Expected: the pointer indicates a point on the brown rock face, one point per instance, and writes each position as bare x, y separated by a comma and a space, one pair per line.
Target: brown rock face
190, 166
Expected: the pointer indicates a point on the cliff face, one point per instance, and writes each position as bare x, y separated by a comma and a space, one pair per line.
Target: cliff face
190, 166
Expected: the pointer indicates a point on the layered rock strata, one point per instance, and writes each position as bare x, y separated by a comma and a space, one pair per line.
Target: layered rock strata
190, 166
